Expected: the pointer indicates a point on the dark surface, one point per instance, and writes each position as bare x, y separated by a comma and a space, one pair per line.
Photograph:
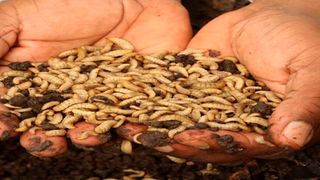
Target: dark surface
107, 161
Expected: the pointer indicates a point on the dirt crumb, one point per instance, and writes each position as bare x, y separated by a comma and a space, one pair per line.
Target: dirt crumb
262, 108
20, 66
86, 68
185, 59
153, 139
8, 82
229, 66
19, 100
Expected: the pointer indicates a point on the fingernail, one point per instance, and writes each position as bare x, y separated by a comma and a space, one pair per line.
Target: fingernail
164, 149
299, 132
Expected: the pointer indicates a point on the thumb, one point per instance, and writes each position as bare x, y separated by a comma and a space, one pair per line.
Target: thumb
296, 120
8, 27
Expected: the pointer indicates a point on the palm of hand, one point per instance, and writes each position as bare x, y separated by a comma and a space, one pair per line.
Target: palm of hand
37, 29
275, 48
45, 28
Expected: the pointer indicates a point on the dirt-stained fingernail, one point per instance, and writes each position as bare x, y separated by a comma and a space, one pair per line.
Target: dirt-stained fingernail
298, 132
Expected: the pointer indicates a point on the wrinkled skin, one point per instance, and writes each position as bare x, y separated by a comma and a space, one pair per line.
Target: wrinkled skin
279, 42
38, 29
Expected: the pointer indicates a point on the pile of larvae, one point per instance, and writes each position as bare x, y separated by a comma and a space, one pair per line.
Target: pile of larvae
111, 85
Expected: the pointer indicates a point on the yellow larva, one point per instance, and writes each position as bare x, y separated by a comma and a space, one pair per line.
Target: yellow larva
209, 78
239, 82
167, 88
256, 120
117, 53
180, 70
25, 124
86, 134
199, 70
105, 126
50, 78
56, 63
98, 58
68, 53
235, 119
57, 118
66, 85
176, 159
182, 90
162, 79
184, 112
131, 100
215, 99
217, 106
183, 119
83, 94
81, 112
67, 103
69, 120
81, 79
126, 147
155, 60
175, 131
59, 132
111, 109
122, 43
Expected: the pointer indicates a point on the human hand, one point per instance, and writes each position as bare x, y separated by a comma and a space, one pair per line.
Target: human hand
35, 30
279, 42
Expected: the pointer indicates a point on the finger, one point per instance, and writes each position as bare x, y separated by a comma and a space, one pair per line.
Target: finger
216, 35
41, 145
195, 154
81, 135
296, 120
227, 142
8, 27
8, 122
128, 130
161, 26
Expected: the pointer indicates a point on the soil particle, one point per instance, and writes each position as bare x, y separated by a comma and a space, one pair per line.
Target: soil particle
262, 108
86, 68
102, 99
227, 143
52, 96
153, 139
215, 136
28, 114
43, 68
24, 92
38, 146
35, 103
229, 66
185, 59
201, 126
45, 125
171, 124
19, 100
105, 137
8, 82
20, 66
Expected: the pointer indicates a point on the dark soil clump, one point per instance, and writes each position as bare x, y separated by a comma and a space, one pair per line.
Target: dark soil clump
229, 66
262, 108
153, 139
20, 66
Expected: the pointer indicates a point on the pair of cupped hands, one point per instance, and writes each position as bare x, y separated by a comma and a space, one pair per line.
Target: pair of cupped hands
278, 41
